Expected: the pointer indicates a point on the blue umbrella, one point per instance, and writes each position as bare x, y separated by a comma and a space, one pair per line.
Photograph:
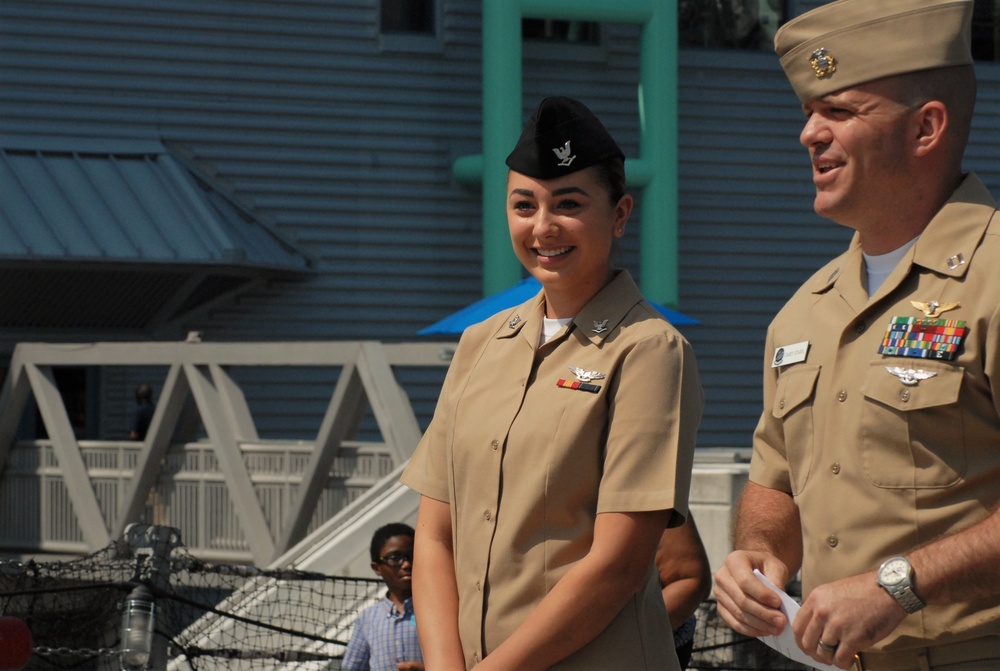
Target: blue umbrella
508, 298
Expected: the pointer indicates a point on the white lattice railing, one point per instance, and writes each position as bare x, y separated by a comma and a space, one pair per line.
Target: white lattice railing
37, 515
231, 494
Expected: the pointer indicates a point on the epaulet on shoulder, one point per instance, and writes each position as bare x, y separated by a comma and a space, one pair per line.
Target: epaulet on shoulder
494, 323
825, 277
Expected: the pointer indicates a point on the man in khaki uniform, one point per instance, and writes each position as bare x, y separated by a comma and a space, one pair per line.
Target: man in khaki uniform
877, 457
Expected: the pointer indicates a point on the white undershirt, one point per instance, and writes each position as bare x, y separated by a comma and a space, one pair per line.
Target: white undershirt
550, 327
881, 265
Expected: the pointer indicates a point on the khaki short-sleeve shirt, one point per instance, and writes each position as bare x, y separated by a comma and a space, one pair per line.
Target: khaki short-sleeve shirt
527, 452
884, 452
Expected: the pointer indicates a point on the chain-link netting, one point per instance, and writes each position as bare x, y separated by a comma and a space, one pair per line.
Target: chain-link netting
208, 616
213, 617
718, 647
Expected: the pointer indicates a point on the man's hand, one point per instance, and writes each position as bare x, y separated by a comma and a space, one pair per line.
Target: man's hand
848, 615
746, 604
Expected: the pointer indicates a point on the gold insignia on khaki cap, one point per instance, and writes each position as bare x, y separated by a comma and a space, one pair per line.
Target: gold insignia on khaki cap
850, 42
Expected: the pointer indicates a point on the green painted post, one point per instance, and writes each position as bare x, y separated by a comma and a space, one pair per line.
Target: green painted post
658, 146
501, 128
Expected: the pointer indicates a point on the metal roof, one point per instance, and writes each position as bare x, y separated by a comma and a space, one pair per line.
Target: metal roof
121, 234
124, 201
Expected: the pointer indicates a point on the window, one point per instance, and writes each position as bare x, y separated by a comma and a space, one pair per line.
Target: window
985, 31
737, 24
79, 388
408, 17
551, 30
409, 26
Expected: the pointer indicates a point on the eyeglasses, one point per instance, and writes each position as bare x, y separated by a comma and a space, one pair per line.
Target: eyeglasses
396, 559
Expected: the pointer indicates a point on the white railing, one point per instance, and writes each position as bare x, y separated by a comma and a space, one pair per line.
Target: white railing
36, 514
232, 494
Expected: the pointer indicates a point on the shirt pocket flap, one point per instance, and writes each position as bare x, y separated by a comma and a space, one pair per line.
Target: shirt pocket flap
795, 387
929, 385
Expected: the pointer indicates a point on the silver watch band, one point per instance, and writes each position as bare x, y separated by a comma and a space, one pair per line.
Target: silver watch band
908, 599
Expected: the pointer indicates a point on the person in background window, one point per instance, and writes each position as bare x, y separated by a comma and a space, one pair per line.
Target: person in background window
685, 580
563, 438
142, 414
384, 637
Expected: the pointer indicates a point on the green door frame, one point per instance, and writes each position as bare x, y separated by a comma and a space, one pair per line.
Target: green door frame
655, 171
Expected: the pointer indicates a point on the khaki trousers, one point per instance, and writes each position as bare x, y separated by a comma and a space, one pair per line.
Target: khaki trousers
978, 654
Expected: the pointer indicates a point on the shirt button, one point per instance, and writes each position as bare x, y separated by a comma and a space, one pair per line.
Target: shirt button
842, 396
832, 540
835, 468
781, 404
495, 444
904, 395
487, 515
859, 328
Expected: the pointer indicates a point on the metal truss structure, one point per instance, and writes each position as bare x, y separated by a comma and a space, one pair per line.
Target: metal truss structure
199, 372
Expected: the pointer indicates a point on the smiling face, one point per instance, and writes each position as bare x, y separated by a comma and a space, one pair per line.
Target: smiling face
861, 143
397, 578
562, 231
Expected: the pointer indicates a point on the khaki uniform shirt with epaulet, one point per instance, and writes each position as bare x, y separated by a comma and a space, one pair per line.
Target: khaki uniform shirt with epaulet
885, 452
526, 462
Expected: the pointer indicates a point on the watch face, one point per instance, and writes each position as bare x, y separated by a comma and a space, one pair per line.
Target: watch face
894, 572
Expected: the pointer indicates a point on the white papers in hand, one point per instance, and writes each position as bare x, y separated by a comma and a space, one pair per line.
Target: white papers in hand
785, 641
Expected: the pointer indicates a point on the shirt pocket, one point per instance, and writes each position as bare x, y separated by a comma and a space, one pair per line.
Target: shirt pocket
912, 435
794, 393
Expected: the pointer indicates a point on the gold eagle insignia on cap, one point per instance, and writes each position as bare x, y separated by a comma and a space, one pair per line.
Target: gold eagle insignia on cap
823, 63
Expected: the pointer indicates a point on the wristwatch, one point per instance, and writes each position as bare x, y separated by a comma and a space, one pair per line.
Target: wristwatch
895, 575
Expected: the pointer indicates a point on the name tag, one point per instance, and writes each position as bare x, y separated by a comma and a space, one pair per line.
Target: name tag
789, 354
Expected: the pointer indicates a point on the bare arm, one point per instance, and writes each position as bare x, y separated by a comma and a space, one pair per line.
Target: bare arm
685, 575
585, 601
435, 594
962, 567
767, 520
768, 537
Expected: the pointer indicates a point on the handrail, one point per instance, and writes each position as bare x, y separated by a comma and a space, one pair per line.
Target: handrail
199, 372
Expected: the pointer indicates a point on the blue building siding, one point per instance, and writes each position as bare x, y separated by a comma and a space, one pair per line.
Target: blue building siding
344, 143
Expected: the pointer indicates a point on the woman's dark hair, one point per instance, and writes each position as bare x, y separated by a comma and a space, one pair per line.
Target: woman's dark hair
611, 173
383, 534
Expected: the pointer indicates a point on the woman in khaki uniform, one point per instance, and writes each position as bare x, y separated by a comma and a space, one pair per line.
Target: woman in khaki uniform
563, 438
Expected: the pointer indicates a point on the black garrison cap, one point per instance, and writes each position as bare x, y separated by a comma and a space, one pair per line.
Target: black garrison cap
560, 138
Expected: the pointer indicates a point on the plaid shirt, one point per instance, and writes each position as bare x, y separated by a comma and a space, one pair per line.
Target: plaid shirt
382, 636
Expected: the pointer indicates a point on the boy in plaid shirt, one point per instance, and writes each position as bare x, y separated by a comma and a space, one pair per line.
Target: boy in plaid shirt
385, 634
